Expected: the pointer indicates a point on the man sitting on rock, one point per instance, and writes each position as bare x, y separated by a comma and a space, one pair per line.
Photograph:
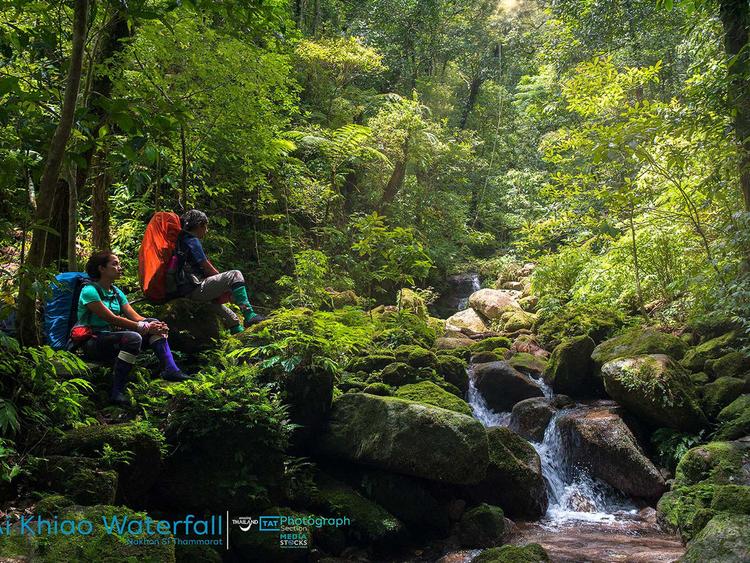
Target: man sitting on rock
197, 278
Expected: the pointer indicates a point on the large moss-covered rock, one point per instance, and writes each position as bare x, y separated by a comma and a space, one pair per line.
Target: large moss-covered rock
492, 303
598, 440
371, 524
502, 386
371, 362
734, 364
142, 441
453, 370
468, 320
531, 553
725, 539
686, 510
408, 498
571, 370
720, 393
398, 373
426, 392
487, 357
519, 320
638, 342
416, 356
514, 476
85, 480
695, 359
528, 363
734, 419
491, 343
715, 462
97, 547
482, 526
455, 340
193, 325
407, 437
530, 417
655, 389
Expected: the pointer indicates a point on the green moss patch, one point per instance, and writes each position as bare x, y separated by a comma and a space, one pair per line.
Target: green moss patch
428, 393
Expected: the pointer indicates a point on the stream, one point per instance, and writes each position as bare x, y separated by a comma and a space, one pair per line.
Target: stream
586, 520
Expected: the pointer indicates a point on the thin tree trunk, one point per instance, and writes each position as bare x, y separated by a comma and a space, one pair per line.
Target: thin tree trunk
476, 84
636, 267
38, 257
100, 211
396, 181
72, 220
735, 17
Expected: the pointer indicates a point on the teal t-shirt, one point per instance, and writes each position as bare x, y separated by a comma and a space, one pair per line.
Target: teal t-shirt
90, 294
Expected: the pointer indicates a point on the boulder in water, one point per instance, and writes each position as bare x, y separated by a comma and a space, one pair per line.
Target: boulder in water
530, 417
482, 526
598, 440
638, 342
514, 476
453, 370
467, 319
492, 303
530, 553
407, 437
726, 538
655, 389
502, 386
528, 363
571, 370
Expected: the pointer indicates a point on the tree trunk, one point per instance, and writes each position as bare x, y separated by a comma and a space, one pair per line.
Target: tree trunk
476, 84
735, 17
100, 239
636, 268
38, 256
396, 181
72, 220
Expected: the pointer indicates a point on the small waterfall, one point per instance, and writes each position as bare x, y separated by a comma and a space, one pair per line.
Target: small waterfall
463, 303
573, 494
479, 407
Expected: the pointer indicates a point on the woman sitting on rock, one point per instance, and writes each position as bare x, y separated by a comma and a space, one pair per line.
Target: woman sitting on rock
114, 331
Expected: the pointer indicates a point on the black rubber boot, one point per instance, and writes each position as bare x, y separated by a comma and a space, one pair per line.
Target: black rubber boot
120, 381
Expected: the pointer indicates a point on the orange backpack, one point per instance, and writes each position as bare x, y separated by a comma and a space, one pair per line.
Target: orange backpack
156, 256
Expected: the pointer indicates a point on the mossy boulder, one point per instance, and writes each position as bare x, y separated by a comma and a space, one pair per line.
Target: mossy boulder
502, 386
724, 539
398, 373
734, 419
416, 356
720, 393
193, 325
97, 547
453, 370
695, 358
734, 364
716, 462
428, 393
599, 440
378, 388
700, 379
85, 480
570, 369
463, 353
410, 300
52, 505
142, 441
528, 363
371, 362
638, 342
530, 417
686, 510
491, 343
530, 553
487, 357
455, 340
482, 526
656, 390
406, 437
519, 320
514, 478
371, 524
408, 498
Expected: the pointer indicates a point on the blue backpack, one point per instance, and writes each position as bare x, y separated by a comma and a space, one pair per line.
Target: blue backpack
61, 310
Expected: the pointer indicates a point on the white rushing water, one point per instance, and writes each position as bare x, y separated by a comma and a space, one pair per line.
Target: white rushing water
573, 494
463, 303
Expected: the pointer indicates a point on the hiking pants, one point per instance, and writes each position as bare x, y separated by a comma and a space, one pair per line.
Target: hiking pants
104, 346
213, 288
